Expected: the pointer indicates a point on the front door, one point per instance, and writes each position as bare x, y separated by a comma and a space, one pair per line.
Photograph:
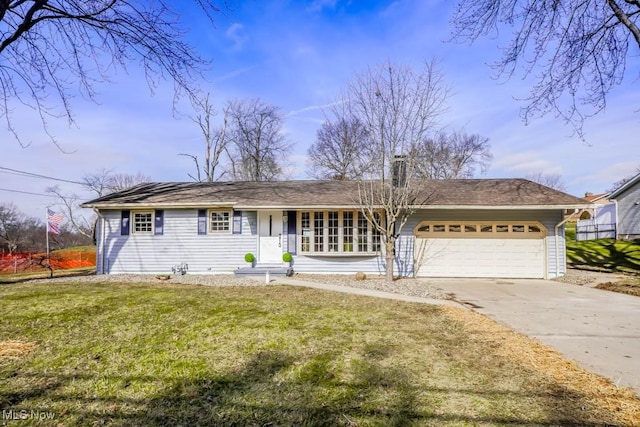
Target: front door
271, 239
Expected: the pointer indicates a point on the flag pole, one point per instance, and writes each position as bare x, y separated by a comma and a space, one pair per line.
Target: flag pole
46, 221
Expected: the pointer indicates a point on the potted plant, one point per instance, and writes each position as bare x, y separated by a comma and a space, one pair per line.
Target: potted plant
287, 257
250, 258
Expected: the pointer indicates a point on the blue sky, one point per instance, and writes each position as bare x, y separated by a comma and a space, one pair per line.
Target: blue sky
299, 55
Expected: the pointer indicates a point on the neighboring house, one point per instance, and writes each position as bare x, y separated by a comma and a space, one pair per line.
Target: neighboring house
598, 222
466, 228
627, 199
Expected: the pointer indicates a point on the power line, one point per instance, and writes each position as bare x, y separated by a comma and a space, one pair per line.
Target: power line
26, 192
37, 175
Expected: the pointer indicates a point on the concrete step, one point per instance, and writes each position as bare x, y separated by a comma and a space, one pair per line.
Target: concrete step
262, 270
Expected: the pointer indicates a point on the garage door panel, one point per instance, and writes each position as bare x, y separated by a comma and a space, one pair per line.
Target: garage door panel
443, 257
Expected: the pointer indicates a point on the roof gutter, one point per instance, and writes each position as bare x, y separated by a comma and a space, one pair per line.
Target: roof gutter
101, 244
236, 205
555, 236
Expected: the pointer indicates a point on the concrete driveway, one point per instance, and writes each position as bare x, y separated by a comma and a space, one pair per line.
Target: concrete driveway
598, 329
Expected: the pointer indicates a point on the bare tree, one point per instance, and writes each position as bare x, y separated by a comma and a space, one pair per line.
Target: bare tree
257, 145
53, 49
397, 106
14, 227
449, 156
215, 142
100, 184
580, 46
551, 180
623, 181
341, 150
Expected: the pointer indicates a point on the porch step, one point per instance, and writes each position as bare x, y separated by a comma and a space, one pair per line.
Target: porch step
261, 270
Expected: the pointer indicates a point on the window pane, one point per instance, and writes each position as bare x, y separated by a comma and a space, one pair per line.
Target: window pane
425, 228
362, 233
318, 231
517, 228
439, 228
534, 229
470, 229
333, 231
306, 231
142, 222
502, 228
347, 231
219, 221
486, 228
455, 228
375, 234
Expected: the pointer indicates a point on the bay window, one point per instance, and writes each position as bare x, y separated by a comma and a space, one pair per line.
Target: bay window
338, 233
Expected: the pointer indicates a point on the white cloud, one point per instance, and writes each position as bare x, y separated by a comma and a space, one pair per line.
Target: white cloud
320, 5
237, 35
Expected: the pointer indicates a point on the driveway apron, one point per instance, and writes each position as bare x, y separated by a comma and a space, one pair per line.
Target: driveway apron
598, 329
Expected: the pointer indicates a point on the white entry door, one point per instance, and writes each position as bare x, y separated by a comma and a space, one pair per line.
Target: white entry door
271, 238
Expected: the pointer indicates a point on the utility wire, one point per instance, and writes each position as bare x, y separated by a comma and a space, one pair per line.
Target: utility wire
36, 175
26, 192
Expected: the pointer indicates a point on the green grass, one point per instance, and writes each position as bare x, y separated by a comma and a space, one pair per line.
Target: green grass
602, 254
86, 248
186, 355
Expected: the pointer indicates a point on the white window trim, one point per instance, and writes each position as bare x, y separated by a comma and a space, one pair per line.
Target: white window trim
229, 213
325, 234
133, 222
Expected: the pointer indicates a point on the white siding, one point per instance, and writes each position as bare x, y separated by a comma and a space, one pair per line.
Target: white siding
180, 243
339, 265
629, 213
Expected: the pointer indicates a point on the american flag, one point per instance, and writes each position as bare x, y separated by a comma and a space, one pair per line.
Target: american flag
54, 219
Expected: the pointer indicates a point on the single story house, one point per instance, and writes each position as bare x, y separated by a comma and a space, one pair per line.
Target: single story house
627, 200
465, 228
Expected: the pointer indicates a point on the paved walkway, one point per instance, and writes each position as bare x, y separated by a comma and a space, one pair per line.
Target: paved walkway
598, 329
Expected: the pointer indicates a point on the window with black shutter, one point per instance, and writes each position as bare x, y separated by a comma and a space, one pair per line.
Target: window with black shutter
124, 223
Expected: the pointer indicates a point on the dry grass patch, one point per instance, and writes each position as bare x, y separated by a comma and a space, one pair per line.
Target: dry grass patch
579, 385
14, 349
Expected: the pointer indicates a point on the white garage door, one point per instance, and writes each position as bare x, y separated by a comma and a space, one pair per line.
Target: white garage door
474, 249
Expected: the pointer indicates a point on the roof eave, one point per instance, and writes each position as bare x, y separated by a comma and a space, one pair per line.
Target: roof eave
325, 207
625, 187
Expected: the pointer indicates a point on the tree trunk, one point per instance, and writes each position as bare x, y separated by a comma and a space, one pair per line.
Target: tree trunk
390, 249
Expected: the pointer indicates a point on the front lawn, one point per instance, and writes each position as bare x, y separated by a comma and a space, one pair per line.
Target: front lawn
145, 354
602, 254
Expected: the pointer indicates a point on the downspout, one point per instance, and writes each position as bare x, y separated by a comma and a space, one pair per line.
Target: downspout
555, 236
101, 243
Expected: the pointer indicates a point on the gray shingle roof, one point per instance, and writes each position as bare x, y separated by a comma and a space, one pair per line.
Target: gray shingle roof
299, 194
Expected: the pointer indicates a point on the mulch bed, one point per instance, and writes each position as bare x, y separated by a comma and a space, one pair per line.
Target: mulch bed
621, 288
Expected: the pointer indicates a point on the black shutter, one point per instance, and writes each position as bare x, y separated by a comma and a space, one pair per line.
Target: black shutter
291, 232
159, 223
124, 223
237, 222
202, 221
